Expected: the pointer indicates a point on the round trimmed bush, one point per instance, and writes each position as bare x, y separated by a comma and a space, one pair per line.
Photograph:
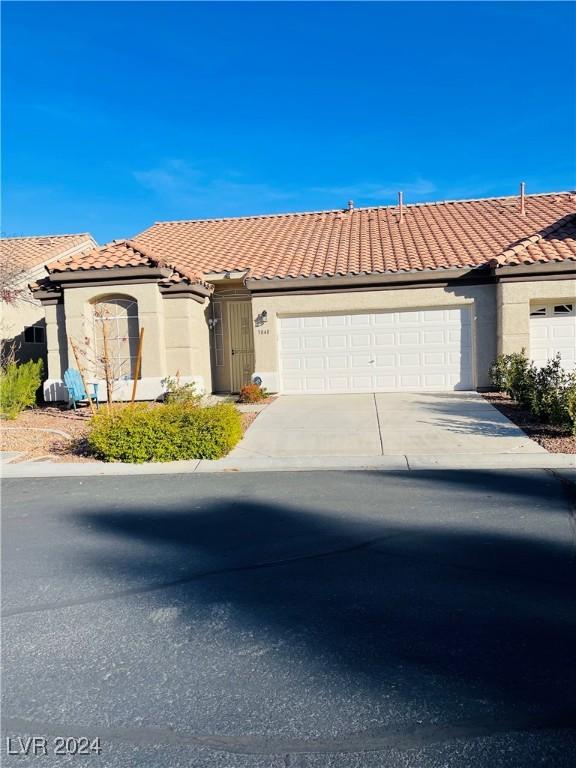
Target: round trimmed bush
170, 432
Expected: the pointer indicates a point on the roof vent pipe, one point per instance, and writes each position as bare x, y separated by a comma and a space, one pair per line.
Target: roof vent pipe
350, 205
401, 206
523, 198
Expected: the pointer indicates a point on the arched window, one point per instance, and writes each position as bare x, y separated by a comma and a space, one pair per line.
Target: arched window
116, 332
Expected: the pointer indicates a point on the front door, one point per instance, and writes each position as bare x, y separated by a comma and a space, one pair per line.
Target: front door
241, 343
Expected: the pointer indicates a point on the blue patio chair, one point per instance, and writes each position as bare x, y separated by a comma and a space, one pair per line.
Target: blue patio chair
75, 387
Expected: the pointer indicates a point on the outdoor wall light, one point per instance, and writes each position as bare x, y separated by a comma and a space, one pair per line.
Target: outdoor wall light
261, 318
212, 323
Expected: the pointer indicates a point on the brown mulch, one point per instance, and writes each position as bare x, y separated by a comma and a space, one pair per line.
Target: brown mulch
554, 439
26, 434
264, 401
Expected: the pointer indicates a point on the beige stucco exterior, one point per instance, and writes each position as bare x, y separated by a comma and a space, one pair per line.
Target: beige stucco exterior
175, 343
514, 299
180, 332
16, 318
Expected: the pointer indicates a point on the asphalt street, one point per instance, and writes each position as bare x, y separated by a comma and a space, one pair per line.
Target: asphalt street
350, 619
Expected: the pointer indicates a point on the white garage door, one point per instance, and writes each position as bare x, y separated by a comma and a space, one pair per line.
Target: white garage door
553, 330
426, 349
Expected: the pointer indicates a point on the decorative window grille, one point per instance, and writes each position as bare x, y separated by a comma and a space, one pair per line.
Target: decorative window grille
120, 318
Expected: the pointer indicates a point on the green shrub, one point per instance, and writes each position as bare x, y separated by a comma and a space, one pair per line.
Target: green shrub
571, 407
498, 373
167, 433
252, 393
18, 386
549, 398
515, 375
180, 393
548, 392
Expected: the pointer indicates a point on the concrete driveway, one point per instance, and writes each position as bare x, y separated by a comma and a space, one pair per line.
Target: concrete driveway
382, 424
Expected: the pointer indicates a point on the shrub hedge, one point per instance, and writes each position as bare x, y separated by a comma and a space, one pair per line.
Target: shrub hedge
18, 386
164, 433
548, 392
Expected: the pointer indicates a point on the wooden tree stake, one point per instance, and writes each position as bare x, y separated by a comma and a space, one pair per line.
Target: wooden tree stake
137, 366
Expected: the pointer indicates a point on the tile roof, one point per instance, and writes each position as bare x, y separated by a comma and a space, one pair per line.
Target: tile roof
124, 253
555, 243
443, 235
30, 252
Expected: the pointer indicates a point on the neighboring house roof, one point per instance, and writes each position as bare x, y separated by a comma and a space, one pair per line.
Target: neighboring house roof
30, 252
124, 253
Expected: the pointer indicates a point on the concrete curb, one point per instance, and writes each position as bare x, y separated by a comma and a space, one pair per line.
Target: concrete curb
397, 462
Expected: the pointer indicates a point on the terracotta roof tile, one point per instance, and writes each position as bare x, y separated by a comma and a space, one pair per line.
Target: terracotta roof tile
444, 235
125, 253
554, 243
30, 252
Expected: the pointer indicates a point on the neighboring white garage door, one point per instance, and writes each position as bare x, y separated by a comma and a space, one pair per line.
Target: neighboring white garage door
553, 330
427, 349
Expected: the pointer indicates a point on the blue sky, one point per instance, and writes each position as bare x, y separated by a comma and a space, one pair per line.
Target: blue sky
116, 115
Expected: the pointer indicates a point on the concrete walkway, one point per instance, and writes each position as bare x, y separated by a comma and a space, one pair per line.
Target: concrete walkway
382, 425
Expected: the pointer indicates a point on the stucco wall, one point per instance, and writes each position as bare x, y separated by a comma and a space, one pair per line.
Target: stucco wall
175, 338
482, 299
513, 302
187, 339
15, 318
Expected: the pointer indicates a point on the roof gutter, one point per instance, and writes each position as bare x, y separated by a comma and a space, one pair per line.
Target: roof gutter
363, 281
110, 274
538, 268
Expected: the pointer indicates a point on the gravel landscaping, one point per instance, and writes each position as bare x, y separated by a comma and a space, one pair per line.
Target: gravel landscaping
554, 439
58, 435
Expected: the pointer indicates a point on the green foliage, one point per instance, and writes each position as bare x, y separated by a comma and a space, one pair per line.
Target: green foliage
180, 393
18, 386
252, 393
548, 392
165, 433
515, 375
549, 399
571, 407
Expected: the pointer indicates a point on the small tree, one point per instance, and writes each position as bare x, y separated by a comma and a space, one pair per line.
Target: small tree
97, 355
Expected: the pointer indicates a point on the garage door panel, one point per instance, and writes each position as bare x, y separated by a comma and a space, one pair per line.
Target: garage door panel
384, 318
287, 323
434, 358
313, 342
562, 331
384, 339
412, 350
356, 320
361, 361
360, 340
408, 318
433, 337
336, 321
405, 338
385, 361
553, 332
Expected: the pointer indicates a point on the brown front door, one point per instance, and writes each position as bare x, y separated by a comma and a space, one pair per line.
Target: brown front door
241, 343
